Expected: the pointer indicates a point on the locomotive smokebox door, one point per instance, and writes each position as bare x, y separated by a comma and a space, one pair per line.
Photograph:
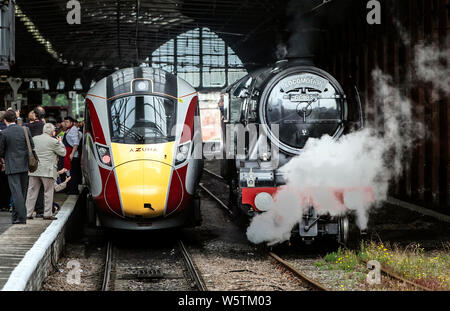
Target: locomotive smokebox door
308, 225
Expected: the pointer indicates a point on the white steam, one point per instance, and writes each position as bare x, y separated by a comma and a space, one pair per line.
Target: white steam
333, 176
431, 65
336, 176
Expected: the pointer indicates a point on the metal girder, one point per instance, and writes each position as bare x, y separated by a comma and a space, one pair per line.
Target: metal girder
111, 35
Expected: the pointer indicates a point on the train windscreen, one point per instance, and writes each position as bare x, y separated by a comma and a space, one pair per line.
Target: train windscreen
142, 119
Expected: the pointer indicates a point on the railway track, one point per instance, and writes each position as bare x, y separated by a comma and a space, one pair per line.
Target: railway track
215, 198
211, 173
109, 275
397, 277
107, 269
193, 270
297, 273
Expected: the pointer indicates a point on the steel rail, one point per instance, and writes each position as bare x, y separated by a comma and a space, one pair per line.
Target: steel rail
298, 273
107, 270
285, 264
214, 174
193, 271
398, 277
223, 205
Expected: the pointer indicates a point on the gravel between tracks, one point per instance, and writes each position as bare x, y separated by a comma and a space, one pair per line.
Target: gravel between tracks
232, 268
90, 270
332, 279
166, 262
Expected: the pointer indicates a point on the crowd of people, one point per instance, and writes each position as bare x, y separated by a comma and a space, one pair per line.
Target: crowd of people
57, 147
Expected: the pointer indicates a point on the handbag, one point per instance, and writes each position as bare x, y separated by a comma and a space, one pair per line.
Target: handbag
33, 160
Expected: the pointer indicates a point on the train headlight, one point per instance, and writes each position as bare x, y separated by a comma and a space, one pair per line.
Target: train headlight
104, 155
182, 153
263, 201
141, 86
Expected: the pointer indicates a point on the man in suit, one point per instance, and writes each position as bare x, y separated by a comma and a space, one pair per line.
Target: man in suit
36, 129
47, 150
14, 149
5, 194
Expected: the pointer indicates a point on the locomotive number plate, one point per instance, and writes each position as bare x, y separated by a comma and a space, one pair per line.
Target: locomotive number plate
302, 98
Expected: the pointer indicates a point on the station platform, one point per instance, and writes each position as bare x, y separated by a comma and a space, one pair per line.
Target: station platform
28, 251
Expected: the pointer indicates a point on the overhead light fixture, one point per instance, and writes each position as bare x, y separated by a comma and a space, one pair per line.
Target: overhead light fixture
32, 29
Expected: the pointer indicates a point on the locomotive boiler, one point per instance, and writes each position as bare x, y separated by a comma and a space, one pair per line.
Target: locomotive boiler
141, 130
289, 103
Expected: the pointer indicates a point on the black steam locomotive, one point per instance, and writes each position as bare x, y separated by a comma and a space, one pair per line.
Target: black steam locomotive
289, 103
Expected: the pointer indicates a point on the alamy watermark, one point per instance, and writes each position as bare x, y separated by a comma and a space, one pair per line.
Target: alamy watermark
252, 142
374, 15
74, 14
74, 274
374, 275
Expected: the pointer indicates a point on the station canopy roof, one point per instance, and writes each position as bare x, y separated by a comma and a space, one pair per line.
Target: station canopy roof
121, 33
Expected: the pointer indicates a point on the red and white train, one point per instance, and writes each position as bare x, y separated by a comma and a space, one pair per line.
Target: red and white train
141, 131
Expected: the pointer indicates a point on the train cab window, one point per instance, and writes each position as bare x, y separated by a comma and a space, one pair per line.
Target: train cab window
142, 119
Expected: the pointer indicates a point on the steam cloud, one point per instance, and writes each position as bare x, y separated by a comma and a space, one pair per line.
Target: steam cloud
431, 65
357, 162
367, 159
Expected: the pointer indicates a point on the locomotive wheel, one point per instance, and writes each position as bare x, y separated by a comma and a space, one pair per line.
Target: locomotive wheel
344, 228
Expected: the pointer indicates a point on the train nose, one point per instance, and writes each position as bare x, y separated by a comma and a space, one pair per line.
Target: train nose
143, 187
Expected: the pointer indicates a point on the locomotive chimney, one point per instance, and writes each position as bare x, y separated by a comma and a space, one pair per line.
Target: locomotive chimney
305, 32
305, 60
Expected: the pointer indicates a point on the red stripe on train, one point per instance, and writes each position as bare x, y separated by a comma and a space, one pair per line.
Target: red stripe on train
98, 134
188, 129
109, 200
178, 189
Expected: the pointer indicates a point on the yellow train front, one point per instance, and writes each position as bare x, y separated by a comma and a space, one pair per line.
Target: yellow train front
142, 151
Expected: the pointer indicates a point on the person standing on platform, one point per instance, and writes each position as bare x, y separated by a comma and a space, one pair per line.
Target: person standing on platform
80, 151
38, 124
72, 161
31, 116
2, 124
60, 133
47, 149
36, 128
5, 194
14, 149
